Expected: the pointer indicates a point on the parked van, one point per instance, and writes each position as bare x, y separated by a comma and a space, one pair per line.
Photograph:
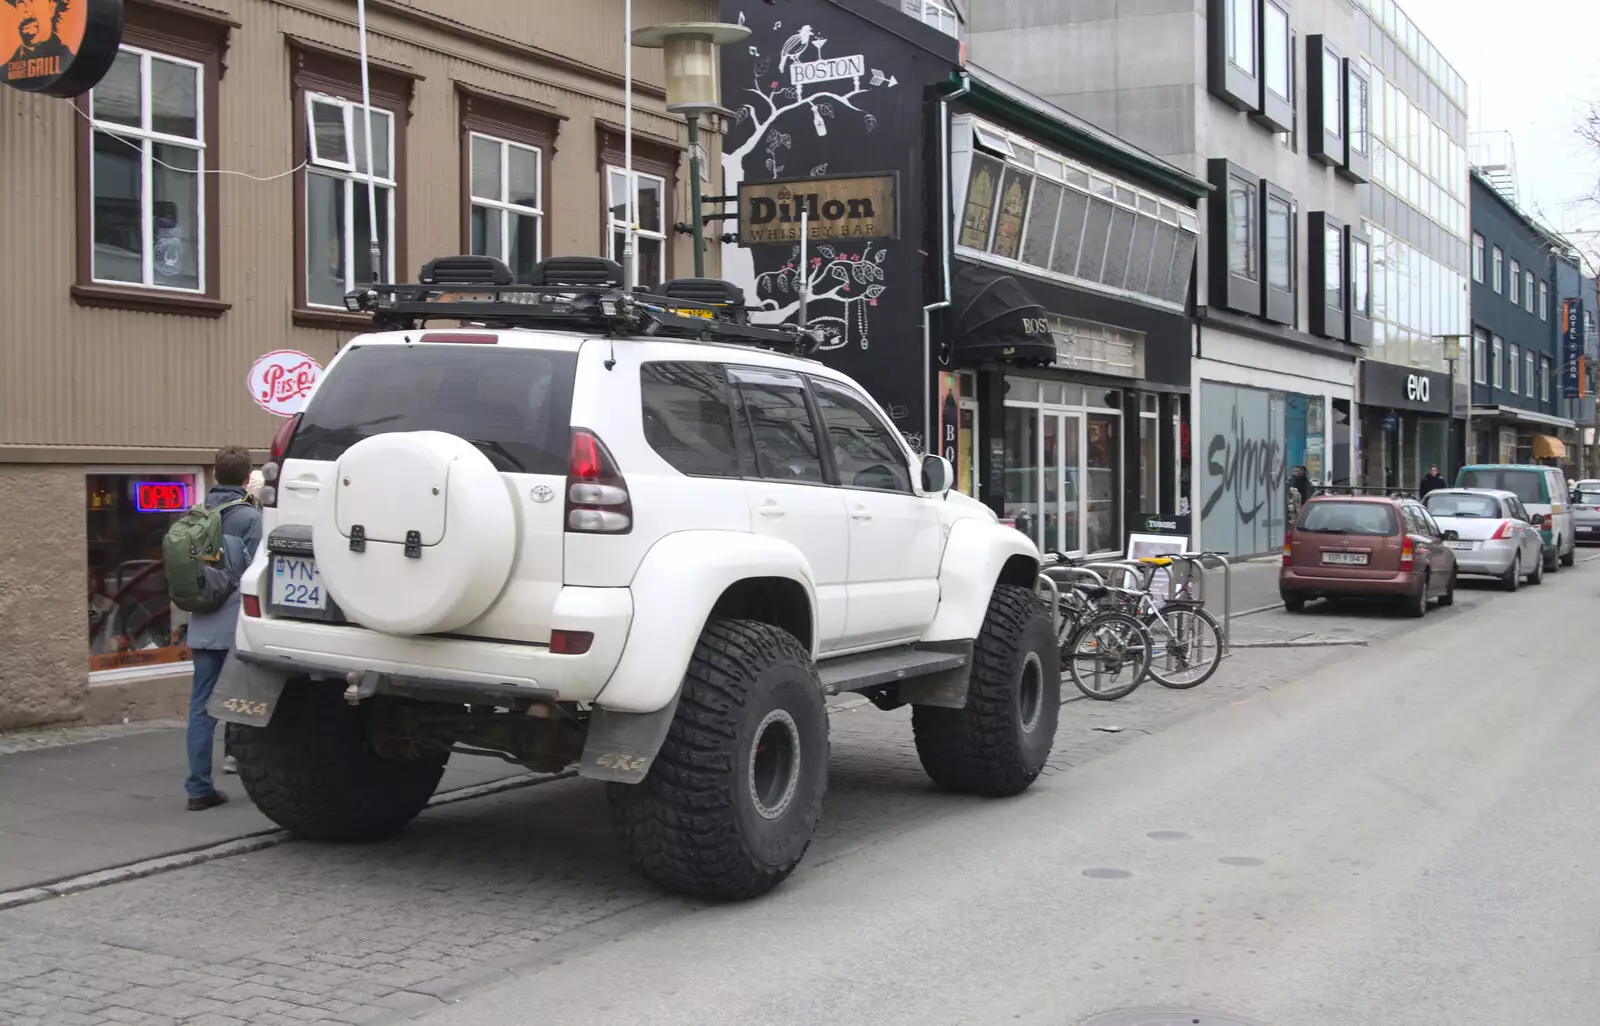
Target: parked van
1544, 493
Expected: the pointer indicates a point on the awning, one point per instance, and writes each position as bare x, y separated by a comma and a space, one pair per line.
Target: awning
997, 318
1548, 447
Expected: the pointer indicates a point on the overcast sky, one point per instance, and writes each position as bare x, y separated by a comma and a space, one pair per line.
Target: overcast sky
1532, 68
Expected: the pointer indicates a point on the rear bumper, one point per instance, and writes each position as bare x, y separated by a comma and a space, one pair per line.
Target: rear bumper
1492, 558
328, 650
1296, 581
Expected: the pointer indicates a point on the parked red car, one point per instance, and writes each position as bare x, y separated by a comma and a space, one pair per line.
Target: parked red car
1356, 546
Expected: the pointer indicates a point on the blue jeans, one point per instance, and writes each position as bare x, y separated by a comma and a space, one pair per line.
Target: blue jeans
202, 726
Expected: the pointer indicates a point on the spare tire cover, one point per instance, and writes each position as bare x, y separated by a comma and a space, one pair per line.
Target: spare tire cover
436, 485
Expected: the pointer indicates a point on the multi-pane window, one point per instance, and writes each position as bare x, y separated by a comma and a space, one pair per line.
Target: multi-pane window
1333, 266
940, 16
506, 207
1497, 269
1511, 370
1477, 257
1480, 357
1496, 355
1527, 291
650, 238
1241, 17
1544, 301
1243, 251
1277, 56
338, 215
1516, 282
146, 176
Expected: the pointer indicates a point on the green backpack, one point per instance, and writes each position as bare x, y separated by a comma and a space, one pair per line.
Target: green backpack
192, 551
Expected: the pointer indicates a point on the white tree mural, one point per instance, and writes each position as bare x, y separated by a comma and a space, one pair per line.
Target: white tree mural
852, 279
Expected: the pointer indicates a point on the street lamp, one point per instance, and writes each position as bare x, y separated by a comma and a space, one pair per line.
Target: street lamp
691, 62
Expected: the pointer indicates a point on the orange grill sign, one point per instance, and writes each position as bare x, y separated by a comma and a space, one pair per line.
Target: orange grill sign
59, 47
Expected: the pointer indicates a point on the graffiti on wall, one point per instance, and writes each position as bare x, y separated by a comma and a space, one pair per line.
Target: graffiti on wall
1243, 468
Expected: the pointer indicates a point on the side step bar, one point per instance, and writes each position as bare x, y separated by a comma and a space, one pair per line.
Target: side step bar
925, 675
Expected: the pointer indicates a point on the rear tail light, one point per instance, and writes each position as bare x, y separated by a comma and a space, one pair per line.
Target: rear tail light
570, 642
1502, 532
1408, 559
251, 604
268, 496
1288, 539
597, 496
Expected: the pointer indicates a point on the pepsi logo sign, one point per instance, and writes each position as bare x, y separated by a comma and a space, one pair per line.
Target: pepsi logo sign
281, 381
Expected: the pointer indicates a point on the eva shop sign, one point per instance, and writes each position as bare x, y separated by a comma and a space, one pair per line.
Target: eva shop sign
280, 382
1406, 388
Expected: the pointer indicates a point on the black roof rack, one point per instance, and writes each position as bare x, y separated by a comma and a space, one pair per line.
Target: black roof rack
573, 293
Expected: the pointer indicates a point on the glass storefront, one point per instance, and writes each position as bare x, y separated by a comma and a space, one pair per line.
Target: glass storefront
1063, 465
131, 620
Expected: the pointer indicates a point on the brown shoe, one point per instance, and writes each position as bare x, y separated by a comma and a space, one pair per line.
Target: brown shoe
209, 801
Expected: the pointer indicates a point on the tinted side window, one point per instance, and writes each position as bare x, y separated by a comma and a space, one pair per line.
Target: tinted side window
514, 404
864, 452
1430, 525
1414, 524
784, 440
688, 418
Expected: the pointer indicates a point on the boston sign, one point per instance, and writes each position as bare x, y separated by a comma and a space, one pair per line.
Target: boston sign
835, 207
59, 47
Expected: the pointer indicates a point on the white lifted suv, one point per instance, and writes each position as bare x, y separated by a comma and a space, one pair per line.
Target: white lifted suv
624, 530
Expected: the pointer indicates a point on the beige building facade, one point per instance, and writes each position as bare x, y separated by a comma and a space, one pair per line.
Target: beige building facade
207, 205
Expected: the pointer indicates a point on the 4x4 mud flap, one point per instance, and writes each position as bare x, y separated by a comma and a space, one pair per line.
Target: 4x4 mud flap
621, 746
246, 693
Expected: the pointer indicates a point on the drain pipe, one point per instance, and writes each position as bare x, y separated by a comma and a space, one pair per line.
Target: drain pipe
944, 261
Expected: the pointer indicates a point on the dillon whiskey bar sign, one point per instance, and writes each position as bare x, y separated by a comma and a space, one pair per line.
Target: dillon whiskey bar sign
836, 207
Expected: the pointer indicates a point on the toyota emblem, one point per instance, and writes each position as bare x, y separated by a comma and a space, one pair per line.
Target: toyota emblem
543, 493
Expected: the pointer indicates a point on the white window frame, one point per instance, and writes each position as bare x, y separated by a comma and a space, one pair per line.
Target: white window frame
614, 225
1480, 357
1514, 286
146, 142
1527, 290
1477, 257
1527, 372
1499, 269
1513, 367
1497, 352
1544, 300
940, 15
351, 179
502, 206
1544, 379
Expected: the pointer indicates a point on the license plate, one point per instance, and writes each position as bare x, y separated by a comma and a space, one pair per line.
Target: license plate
297, 584
1585, 530
684, 311
1460, 544
1345, 558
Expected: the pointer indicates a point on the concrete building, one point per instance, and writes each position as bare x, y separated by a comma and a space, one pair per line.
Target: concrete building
1414, 210
1250, 95
205, 206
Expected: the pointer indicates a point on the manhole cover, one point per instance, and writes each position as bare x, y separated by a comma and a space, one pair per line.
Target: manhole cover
1168, 1017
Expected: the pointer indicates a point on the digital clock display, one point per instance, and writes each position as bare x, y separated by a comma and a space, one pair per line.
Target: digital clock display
160, 496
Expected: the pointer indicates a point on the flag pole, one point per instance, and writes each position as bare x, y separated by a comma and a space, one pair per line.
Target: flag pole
630, 264
374, 250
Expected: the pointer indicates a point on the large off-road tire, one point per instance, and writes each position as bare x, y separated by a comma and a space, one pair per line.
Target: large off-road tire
999, 742
313, 770
735, 793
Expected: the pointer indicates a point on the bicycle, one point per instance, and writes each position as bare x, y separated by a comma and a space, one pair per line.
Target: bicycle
1105, 650
1187, 638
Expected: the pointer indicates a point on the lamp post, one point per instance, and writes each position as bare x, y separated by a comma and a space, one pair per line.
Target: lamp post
691, 62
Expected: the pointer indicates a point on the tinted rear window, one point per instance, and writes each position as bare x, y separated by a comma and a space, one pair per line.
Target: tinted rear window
1368, 518
1589, 497
513, 404
1463, 505
1526, 484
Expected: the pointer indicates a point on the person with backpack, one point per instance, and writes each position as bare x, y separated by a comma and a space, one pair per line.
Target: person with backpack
206, 552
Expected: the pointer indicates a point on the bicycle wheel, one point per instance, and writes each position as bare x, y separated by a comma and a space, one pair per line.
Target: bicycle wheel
1108, 656
1187, 647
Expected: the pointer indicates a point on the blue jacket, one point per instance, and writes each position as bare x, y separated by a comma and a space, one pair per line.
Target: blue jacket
241, 535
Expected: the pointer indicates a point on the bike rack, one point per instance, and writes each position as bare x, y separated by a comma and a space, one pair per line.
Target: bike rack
1218, 561
1055, 602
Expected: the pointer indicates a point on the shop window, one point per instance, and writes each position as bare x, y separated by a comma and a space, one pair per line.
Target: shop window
1235, 253
146, 145
1477, 258
1015, 188
1233, 45
983, 185
1497, 271
655, 168
650, 238
1278, 220
1357, 165
1103, 471
334, 215
1325, 88
1275, 108
1328, 275
1042, 223
1497, 361
1358, 287
1544, 301
1480, 357
131, 619
1514, 284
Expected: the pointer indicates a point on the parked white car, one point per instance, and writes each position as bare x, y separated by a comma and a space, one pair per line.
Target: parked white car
624, 531
1494, 534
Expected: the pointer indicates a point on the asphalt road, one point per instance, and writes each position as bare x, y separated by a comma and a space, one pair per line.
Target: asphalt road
1397, 830
1405, 836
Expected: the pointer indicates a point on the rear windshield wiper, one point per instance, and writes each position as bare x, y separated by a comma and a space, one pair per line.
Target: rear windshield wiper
490, 446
